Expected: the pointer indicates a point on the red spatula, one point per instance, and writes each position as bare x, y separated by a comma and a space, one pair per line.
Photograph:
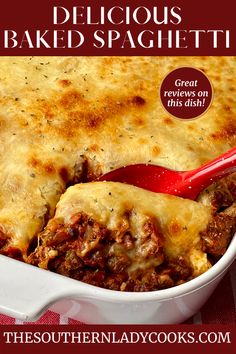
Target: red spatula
187, 184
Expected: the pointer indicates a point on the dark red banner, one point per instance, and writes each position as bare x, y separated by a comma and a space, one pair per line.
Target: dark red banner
187, 339
137, 27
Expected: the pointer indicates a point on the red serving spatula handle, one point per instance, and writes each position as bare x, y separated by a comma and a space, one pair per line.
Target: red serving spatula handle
200, 178
184, 184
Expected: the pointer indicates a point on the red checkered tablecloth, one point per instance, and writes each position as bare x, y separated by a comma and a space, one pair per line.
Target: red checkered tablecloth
219, 309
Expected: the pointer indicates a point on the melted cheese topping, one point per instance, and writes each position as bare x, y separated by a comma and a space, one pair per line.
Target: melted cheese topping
56, 112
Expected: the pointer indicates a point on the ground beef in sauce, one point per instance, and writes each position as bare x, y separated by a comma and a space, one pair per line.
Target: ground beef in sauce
218, 234
3, 240
221, 195
84, 250
87, 251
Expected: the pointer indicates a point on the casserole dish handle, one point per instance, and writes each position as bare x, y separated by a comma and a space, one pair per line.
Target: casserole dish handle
27, 291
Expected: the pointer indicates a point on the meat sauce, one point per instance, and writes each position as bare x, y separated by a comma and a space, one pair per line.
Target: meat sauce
87, 251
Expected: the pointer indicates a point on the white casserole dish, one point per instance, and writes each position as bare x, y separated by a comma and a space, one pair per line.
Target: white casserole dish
26, 292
